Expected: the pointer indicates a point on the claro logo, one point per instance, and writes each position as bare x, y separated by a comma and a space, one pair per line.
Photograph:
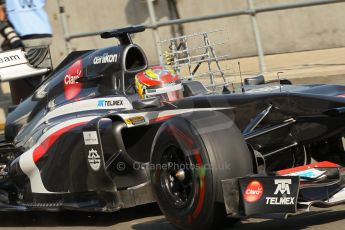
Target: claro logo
71, 86
253, 191
105, 58
70, 80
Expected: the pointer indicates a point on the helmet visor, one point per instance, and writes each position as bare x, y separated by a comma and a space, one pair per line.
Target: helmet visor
171, 93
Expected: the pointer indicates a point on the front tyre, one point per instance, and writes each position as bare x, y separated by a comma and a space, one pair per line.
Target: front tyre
190, 156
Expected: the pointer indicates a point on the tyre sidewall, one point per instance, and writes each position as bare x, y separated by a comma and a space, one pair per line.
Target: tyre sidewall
198, 211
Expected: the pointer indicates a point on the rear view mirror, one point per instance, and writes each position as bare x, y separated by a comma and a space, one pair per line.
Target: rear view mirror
146, 103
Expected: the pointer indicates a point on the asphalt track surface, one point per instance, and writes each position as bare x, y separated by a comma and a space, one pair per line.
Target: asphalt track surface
149, 217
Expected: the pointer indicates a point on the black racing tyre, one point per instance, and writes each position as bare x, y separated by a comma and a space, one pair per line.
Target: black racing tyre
190, 156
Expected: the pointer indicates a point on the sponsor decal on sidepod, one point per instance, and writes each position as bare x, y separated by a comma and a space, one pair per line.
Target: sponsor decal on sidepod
107, 103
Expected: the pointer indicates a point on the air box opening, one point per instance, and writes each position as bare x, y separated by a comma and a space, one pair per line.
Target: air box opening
135, 60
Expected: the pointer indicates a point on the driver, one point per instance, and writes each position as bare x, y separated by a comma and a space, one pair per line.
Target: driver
159, 81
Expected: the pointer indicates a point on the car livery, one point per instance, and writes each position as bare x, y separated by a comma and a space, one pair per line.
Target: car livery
84, 140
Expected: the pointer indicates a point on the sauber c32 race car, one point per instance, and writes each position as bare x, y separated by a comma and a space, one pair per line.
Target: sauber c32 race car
85, 141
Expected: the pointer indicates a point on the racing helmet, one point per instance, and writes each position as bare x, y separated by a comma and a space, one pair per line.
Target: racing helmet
159, 81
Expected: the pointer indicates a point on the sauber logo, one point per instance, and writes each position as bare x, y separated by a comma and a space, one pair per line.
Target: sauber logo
71, 86
94, 159
106, 58
253, 191
283, 186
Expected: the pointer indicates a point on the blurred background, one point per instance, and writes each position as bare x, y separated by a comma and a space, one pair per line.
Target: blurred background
291, 30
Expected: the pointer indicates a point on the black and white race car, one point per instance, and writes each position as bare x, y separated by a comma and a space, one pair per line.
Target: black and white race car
84, 141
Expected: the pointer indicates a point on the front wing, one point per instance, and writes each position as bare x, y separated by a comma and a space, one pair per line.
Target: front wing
286, 192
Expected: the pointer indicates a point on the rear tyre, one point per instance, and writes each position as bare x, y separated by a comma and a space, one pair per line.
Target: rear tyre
190, 156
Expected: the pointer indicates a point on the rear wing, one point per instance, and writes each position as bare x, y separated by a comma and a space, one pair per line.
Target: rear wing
14, 65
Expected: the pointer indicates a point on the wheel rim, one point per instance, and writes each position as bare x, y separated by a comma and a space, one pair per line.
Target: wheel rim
177, 177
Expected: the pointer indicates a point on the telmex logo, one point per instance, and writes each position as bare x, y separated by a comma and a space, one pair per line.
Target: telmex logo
283, 186
106, 103
106, 58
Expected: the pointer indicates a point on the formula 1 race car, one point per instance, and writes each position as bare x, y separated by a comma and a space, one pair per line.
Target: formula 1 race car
87, 140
